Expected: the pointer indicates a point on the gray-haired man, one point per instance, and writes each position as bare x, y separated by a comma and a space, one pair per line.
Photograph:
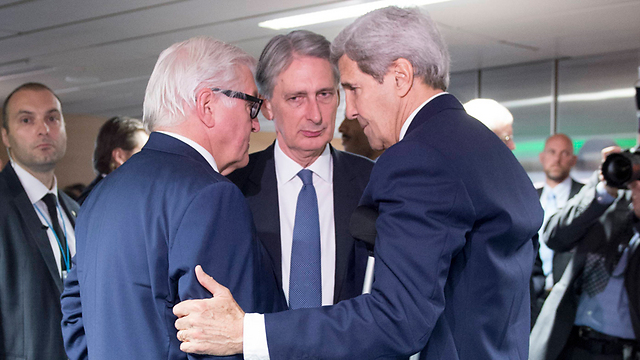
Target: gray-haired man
453, 248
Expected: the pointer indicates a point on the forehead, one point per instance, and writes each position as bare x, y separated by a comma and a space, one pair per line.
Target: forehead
304, 72
38, 101
349, 70
559, 142
246, 80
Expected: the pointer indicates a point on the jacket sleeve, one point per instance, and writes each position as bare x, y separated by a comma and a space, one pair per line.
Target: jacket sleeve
75, 343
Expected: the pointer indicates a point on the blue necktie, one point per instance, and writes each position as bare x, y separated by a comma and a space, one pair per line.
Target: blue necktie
305, 284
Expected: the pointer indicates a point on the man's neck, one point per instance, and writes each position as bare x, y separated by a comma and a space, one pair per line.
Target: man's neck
553, 183
414, 98
302, 158
45, 177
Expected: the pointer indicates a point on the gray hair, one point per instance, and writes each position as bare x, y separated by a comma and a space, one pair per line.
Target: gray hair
280, 52
185, 68
375, 40
489, 112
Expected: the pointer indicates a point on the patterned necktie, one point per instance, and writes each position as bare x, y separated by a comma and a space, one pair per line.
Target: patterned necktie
305, 284
50, 201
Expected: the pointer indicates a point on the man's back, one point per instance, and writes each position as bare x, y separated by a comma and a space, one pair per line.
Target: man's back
139, 237
454, 251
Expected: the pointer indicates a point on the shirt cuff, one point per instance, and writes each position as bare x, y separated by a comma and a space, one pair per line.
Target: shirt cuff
254, 338
602, 196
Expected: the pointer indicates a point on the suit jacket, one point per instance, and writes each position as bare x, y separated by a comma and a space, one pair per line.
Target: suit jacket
585, 225
258, 183
140, 235
30, 285
454, 252
561, 259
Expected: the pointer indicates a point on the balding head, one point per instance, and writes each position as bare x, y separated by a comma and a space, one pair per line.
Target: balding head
557, 158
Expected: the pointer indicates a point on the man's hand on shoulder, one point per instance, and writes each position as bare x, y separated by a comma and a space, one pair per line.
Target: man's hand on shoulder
210, 326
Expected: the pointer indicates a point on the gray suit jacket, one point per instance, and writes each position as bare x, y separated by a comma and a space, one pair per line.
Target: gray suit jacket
561, 259
585, 224
30, 285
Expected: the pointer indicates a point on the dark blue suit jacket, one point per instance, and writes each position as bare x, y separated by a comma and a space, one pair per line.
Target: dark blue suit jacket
453, 253
139, 236
350, 177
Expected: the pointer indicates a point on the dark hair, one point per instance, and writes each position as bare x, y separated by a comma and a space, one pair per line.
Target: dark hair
25, 86
117, 132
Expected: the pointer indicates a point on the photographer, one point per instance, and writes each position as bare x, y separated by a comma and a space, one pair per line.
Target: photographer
594, 311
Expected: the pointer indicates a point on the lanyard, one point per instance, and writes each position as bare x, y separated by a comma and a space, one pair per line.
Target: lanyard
66, 256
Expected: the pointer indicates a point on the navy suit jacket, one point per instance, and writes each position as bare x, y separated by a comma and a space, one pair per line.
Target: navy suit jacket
30, 285
140, 235
258, 183
454, 251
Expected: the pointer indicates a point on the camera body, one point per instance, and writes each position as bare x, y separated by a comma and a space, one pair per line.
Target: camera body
620, 169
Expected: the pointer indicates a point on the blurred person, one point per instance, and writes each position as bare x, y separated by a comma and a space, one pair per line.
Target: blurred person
355, 141
454, 242
300, 84
36, 225
557, 160
74, 190
118, 139
494, 116
146, 226
593, 312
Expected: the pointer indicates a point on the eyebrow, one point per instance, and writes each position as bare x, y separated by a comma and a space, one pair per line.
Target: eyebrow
31, 112
347, 85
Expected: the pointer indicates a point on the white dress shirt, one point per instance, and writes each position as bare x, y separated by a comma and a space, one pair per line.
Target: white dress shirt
561, 193
197, 147
36, 190
289, 186
254, 338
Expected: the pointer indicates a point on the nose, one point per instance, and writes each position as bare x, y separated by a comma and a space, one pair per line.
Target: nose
43, 128
511, 144
351, 111
313, 111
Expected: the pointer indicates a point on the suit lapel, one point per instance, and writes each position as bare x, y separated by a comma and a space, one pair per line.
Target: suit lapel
264, 206
345, 197
32, 227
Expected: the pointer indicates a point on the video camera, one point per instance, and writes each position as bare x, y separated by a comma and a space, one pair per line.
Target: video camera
619, 169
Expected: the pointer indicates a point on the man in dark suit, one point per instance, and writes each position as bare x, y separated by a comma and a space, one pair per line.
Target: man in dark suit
457, 214
557, 159
37, 238
169, 208
592, 313
297, 64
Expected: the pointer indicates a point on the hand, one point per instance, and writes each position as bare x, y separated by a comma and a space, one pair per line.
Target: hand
210, 326
606, 152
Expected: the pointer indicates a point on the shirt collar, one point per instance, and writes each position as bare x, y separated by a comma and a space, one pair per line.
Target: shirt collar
197, 147
561, 190
34, 188
287, 168
407, 123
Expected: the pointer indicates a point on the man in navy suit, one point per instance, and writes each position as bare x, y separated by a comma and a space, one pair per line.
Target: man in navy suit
300, 84
457, 214
169, 208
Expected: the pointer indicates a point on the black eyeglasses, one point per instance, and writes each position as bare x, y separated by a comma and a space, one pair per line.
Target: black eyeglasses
256, 102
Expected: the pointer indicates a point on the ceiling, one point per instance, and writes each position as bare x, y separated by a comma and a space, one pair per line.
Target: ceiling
97, 55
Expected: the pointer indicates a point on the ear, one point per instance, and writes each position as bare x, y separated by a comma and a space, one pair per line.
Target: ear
119, 156
402, 71
267, 109
5, 138
206, 102
574, 160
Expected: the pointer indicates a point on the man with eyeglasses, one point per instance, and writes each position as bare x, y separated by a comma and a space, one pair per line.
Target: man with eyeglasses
169, 208
302, 177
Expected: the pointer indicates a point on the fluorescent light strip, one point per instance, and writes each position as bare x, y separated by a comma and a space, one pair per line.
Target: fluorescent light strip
341, 13
592, 96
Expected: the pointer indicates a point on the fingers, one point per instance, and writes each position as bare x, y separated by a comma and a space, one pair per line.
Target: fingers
209, 283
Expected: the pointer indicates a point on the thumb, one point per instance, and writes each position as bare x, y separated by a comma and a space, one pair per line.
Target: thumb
209, 283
